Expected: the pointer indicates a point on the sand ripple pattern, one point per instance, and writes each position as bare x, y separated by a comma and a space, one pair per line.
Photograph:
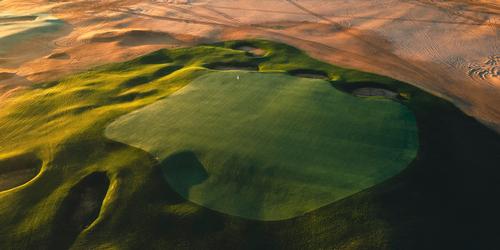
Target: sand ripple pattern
490, 68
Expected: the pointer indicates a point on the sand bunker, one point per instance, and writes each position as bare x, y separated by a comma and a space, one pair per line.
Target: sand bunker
251, 50
270, 146
366, 92
309, 73
85, 200
17, 170
80, 208
233, 66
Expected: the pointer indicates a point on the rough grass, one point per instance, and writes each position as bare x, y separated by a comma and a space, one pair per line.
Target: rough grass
445, 199
273, 146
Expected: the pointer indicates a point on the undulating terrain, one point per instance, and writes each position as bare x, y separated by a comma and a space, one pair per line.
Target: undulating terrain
205, 148
265, 124
448, 47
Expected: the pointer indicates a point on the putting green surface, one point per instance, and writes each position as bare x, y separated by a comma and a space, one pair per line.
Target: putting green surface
270, 146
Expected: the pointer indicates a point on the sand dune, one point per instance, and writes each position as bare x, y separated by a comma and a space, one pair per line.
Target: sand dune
11, 19
58, 55
18, 31
6, 75
134, 37
450, 48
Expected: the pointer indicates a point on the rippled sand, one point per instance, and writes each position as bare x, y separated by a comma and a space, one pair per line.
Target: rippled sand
444, 47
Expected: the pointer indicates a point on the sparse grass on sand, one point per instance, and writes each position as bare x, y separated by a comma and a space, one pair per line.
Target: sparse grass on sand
446, 198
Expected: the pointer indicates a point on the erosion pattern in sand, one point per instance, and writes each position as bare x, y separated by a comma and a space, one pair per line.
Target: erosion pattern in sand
447, 47
25, 36
270, 146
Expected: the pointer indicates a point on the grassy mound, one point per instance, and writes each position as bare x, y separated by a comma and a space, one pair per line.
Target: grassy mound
444, 199
273, 146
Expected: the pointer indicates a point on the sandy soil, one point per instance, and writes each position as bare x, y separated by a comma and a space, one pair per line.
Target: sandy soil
252, 50
17, 170
450, 48
16, 178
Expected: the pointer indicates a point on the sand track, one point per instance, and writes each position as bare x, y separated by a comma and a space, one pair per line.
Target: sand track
308, 73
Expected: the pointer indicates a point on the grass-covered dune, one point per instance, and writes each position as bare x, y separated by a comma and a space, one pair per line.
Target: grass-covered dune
91, 192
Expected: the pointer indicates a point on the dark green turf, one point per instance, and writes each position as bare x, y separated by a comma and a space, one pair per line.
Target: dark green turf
271, 146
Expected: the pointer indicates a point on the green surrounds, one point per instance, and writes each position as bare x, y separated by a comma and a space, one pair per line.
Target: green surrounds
270, 146
444, 199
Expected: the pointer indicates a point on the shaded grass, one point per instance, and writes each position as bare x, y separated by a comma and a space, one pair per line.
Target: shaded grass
445, 199
80, 208
309, 73
18, 169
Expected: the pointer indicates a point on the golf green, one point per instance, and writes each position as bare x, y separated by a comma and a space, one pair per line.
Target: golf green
270, 146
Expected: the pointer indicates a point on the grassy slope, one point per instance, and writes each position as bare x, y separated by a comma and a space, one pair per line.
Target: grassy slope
273, 146
446, 198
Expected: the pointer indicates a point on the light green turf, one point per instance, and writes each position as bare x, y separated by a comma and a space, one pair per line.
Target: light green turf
270, 146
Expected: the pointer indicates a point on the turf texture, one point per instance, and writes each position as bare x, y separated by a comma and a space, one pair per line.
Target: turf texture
270, 146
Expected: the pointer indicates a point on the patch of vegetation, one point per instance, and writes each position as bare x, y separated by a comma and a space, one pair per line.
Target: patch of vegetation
270, 146
444, 199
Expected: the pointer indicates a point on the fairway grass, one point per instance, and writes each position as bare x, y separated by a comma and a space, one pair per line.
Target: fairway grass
271, 146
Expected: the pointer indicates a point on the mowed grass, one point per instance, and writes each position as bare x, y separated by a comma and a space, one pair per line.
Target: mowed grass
270, 146
60, 125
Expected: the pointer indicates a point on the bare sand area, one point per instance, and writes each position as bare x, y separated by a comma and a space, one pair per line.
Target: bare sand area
450, 48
